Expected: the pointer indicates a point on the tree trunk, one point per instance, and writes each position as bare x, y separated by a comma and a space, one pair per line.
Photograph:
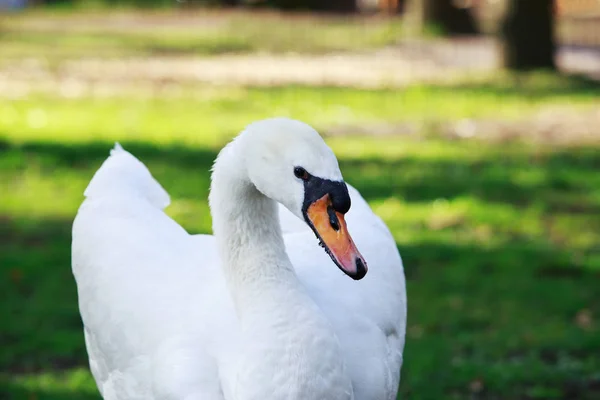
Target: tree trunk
528, 32
446, 14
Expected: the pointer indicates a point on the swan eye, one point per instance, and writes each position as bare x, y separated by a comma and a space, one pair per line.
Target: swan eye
301, 173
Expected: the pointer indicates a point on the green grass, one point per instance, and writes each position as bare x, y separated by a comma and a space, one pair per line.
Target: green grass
203, 115
500, 243
65, 36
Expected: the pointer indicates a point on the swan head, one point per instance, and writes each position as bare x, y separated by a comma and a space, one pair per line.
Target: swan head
289, 162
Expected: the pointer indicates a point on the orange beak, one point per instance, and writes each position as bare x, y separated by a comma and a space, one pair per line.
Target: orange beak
330, 227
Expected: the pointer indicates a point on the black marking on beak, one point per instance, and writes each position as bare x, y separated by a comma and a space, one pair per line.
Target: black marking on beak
315, 188
333, 219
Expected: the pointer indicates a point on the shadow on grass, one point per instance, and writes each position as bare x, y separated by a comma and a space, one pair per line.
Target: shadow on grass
11, 391
518, 318
560, 181
92, 154
550, 180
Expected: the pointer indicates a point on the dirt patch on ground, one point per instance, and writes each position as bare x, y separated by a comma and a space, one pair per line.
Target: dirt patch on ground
409, 62
558, 126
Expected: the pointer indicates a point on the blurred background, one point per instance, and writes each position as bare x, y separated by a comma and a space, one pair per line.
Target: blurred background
472, 127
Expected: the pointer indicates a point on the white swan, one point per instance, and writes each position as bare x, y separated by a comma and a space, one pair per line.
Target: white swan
249, 313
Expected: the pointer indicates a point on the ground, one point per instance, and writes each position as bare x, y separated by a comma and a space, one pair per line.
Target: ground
488, 183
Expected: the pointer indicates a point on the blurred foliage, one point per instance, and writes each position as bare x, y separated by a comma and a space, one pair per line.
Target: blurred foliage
59, 37
314, 5
96, 4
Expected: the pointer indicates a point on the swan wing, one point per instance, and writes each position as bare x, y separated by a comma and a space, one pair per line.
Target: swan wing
142, 285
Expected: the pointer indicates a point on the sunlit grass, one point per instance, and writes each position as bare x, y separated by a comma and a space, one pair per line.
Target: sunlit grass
64, 385
74, 35
204, 115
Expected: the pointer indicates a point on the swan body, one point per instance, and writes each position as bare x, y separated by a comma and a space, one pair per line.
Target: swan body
257, 311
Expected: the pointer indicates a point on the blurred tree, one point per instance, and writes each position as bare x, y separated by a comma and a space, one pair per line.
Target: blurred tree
391, 6
528, 33
452, 16
340, 6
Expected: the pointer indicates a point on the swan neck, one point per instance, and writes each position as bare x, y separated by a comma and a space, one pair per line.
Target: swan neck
247, 229
298, 349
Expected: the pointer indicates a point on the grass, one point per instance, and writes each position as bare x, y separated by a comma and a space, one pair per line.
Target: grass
203, 115
500, 244
63, 36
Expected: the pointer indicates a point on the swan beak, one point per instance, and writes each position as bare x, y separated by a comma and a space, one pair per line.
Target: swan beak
330, 228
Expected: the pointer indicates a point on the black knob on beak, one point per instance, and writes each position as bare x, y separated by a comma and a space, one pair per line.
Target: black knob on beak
340, 198
316, 187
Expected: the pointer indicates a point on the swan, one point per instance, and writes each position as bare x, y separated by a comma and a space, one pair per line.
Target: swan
256, 311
